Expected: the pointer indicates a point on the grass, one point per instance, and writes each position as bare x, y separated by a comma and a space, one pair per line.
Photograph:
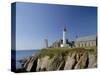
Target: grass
63, 51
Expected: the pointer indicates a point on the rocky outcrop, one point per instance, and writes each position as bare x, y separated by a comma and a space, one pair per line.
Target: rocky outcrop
70, 61
82, 62
62, 61
43, 63
31, 64
92, 61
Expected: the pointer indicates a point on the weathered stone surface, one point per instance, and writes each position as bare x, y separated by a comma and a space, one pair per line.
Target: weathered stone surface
42, 63
82, 62
31, 64
55, 63
92, 61
71, 60
27, 62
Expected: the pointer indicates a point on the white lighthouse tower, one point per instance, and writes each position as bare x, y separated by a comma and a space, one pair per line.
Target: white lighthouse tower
64, 37
46, 43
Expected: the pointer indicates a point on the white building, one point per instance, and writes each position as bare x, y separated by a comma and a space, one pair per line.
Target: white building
64, 44
86, 41
46, 43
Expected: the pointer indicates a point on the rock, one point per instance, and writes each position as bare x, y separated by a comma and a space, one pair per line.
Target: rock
31, 64
65, 61
70, 61
92, 61
82, 62
56, 63
27, 62
42, 63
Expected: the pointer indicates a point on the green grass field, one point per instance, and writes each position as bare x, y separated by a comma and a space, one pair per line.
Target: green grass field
56, 51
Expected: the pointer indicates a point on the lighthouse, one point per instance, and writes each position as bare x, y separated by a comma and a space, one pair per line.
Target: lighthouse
46, 43
64, 36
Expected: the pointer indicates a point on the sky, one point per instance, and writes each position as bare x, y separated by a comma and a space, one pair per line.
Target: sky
36, 22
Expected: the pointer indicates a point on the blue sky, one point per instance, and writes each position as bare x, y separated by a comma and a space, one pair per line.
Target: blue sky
36, 22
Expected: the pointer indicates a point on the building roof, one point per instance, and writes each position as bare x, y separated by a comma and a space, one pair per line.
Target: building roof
86, 38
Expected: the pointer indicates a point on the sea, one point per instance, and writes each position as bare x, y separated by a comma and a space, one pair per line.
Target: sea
21, 54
